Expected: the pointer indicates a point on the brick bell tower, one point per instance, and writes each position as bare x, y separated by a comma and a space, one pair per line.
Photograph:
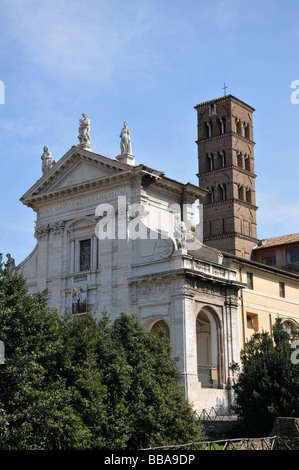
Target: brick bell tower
226, 170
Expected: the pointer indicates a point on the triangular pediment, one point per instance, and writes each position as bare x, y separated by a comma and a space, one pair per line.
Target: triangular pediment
76, 167
80, 171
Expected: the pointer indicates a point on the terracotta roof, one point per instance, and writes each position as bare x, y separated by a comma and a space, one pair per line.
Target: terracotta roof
275, 241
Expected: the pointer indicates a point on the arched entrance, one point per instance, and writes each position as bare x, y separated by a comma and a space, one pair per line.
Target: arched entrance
207, 349
160, 325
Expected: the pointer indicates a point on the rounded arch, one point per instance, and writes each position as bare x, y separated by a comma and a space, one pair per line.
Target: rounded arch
82, 221
207, 347
291, 326
158, 325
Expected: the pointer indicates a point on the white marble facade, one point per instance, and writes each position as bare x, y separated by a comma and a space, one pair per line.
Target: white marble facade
182, 286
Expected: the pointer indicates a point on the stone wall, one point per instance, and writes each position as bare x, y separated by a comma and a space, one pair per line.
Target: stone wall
288, 427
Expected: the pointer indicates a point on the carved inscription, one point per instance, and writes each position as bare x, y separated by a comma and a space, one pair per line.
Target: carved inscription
153, 287
81, 203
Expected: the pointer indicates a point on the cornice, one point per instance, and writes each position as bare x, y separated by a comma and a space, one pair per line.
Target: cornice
204, 104
71, 191
225, 168
230, 235
226, 134
231, 201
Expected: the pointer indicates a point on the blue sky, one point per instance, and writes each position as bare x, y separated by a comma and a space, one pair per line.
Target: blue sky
147, 62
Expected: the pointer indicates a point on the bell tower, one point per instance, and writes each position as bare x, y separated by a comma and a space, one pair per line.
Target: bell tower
226, 169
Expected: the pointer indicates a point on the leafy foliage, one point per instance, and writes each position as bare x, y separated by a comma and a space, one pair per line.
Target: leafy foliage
268, 386
77, 383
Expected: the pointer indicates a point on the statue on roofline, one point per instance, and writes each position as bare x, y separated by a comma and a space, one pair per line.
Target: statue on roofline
11, 264
180, 232
125, 143
84, 130
47, 160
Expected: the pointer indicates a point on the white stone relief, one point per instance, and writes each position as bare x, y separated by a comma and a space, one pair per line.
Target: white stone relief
41, 231
164, 248
57, 227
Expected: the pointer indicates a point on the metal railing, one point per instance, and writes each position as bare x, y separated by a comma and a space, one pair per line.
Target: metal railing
265, 443
206, 374
215, 413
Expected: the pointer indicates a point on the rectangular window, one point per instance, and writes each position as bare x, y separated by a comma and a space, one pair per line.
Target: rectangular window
249, 322
85, 255
249, 281
270, 260
252, 321
281, 289
293, 255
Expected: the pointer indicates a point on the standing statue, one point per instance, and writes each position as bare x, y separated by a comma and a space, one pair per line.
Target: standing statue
125, 143
84, 129
180, 232
10, 264
47, 160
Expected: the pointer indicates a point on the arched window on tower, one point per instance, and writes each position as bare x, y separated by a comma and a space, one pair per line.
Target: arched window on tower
222, 188
222, 159
240, 192
246, 130
212, 194
210, 157
222, 125
240, 160
238, 126
212, 109
210, 133
248, 195
247, 162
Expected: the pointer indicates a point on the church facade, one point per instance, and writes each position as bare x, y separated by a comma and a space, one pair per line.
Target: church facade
117, 236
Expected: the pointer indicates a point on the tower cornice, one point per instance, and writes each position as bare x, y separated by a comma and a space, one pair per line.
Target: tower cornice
204, 104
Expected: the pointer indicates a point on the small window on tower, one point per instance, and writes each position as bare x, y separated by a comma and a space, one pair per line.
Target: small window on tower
240, 160
241, 193
222, 159
212, 109
246, 131
248, 196
247, 163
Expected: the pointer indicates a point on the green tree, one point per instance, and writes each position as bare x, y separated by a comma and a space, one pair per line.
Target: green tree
77, 383
49, 373
268, 385
147, 403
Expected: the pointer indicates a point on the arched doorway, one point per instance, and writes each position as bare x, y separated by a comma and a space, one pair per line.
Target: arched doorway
160, 325
207, 349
